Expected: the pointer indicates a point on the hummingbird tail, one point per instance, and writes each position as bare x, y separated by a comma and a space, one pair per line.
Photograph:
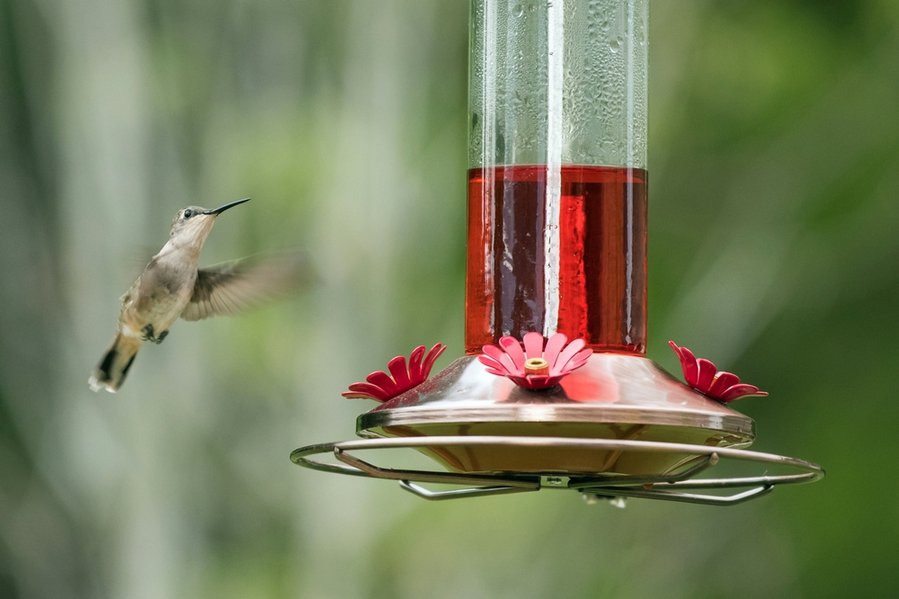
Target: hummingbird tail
111, 371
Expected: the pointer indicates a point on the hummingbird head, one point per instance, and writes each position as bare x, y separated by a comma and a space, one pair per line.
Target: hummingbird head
192, 225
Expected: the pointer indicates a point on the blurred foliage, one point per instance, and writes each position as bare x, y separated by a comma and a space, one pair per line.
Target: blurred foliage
775, 170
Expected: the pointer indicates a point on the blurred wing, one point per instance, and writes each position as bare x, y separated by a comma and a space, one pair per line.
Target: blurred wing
234, 286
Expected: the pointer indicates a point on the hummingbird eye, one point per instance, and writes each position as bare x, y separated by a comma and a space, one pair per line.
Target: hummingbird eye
188, 213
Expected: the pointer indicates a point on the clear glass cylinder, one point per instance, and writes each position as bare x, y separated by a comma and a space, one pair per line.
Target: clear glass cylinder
557, 180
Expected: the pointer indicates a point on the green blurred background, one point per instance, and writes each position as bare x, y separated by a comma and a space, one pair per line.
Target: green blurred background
774, 164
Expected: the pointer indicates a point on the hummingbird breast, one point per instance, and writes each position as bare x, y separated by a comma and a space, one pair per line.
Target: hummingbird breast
159, 295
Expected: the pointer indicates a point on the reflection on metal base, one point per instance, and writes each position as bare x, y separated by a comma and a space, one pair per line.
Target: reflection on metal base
677, 484
610, 388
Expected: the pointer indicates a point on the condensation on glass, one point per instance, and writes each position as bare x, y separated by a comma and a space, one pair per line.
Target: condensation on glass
557, 179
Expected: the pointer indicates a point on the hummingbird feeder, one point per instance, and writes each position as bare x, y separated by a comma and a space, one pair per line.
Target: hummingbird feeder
554, 389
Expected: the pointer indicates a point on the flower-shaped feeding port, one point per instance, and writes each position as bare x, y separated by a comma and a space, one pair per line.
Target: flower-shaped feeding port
381, 386
704, 376
535, 363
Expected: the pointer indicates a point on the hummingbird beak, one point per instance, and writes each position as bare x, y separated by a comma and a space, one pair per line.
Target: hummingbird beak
220, 209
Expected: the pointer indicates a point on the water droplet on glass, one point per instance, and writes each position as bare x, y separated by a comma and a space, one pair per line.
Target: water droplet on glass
517, 10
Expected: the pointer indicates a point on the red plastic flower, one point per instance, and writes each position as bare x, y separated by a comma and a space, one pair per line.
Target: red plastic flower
704, 376
539, 364
381, 386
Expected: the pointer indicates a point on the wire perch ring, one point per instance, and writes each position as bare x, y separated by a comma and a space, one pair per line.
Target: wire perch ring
674, 485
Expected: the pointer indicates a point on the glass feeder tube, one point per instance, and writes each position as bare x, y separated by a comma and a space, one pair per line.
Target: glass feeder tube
557, 177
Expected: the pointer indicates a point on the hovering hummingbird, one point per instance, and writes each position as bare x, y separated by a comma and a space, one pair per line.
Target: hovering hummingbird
172, 286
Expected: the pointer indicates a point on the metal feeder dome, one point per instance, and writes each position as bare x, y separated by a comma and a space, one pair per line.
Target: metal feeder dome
557, 244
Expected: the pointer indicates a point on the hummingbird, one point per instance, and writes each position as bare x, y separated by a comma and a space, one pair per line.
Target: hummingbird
172, 286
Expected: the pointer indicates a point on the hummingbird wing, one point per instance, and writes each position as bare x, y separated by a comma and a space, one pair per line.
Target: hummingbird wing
234, 286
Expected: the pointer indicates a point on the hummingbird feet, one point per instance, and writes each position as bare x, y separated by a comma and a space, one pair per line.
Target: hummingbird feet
150, 334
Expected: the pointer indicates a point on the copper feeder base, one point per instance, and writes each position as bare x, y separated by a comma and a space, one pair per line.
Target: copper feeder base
614, 397
618, 427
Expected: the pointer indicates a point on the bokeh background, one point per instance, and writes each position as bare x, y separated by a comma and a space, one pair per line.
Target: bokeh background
774, 165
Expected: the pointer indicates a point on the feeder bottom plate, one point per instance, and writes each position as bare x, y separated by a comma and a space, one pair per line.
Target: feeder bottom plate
592, 460
684, 484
